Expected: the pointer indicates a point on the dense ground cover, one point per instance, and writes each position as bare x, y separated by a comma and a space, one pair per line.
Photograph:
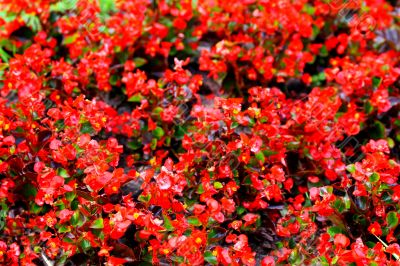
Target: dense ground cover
251, 132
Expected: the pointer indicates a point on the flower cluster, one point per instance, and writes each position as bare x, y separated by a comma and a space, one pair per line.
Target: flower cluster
253, 132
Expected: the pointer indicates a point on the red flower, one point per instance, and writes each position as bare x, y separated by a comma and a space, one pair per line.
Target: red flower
375, 229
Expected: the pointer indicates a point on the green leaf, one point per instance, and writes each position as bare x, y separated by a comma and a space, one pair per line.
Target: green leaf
32, 21
62, 172
200, 189
134, 145
70, 196
240, 210
4, 56
63, 6
351, 168
260, 156
158, 110
77, 219
144, 199
376, 81
70, 39
135, 98
113, 80
167, 223
139, 61
339, 205
378, 130
392, 220
269, 152
391, 143
153, 144
321, 76
374, 177
194, 221
59, 124
309, 9
36, 208
347, 201
323, 51
333, 230
210, 258
97, 224
64, 229
218, 185
179, 132
368, 107
85, 244
216, 234
195, 4
28, 190
106, 6
158, 132
86, 128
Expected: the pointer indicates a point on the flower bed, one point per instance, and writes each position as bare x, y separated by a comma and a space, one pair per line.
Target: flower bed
252, 132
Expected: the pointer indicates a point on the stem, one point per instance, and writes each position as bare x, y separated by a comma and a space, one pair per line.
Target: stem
383, 243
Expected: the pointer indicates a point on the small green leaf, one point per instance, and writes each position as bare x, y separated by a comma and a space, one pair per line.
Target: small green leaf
134, 145
97, 224
334, 260
200, 189
144, 198
4, 56
113, 80
333, 230
376, 81
158, 132
62, 172
391, 143
158, 110
179, 132
86, 128
168, 224
64, 229
139, 61
339, 205
374, 177
321, 76
77, 219
323, 51
218, 185
368, 107
210, 258
194, 221
70, 39
59, 124
309, 9
260, 156
240, 210
106, 6
135, 98
85, 244
351, 168
70, 196
269, 152
392, 220
28, 190
153, 144
36, 208
378, 130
